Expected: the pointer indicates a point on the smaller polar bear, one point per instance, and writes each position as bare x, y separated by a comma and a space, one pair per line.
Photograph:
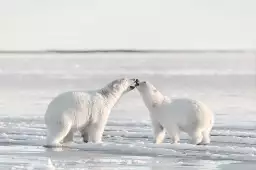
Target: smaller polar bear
190, 116
84, 111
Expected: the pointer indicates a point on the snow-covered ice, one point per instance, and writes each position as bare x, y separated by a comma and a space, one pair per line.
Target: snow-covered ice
226, 82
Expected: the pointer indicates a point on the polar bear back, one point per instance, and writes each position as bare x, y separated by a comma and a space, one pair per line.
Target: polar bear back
73, 106
185, 112
69, 100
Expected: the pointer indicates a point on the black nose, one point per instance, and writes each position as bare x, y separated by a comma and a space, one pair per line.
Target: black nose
137, 82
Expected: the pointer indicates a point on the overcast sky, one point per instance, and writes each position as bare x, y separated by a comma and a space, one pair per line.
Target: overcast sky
158, 24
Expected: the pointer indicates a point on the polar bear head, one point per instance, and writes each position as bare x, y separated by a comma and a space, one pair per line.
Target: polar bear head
121, 86
151, 96
124, 84
147, 88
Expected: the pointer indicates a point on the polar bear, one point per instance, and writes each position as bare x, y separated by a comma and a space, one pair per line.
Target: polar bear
190, 116
84, 111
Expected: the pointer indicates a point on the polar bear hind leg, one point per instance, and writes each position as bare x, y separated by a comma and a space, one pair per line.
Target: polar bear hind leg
57, 133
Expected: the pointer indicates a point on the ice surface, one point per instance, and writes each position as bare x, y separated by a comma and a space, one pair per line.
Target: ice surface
225, 82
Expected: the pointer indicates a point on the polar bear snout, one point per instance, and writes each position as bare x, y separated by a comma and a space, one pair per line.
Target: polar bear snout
141, 85
136, 83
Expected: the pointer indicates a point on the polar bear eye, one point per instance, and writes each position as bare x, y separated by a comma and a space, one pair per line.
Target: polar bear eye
154, 90
116, 86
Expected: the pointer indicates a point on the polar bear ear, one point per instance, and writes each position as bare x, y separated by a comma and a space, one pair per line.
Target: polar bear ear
122, 81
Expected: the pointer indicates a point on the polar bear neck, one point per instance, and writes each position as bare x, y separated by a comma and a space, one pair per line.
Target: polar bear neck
152, 100
112, 97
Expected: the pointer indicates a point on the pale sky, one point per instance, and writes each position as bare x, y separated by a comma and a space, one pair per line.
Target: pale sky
141, 24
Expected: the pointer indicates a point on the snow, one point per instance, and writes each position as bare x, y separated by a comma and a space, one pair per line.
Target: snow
128, 139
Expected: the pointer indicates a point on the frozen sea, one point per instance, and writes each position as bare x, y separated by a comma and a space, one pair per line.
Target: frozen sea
224, 81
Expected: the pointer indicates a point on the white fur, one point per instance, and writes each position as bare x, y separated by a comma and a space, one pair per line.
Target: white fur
190, 116
85, 111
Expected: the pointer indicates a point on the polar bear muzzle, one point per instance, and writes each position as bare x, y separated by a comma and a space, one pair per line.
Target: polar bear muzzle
136, 81
132, 87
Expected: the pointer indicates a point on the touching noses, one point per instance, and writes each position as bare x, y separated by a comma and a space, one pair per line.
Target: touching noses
137, 82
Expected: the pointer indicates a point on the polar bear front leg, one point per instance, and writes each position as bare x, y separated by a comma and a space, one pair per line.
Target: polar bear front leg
97, 126
159, 132
206, 137
196, 137
85, 134
95, 132
173, 131
68, 137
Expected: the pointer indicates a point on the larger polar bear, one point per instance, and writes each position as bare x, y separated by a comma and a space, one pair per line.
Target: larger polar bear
84, 111
190, 116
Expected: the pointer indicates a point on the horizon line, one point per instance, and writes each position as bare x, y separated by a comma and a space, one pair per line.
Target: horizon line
128, 51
